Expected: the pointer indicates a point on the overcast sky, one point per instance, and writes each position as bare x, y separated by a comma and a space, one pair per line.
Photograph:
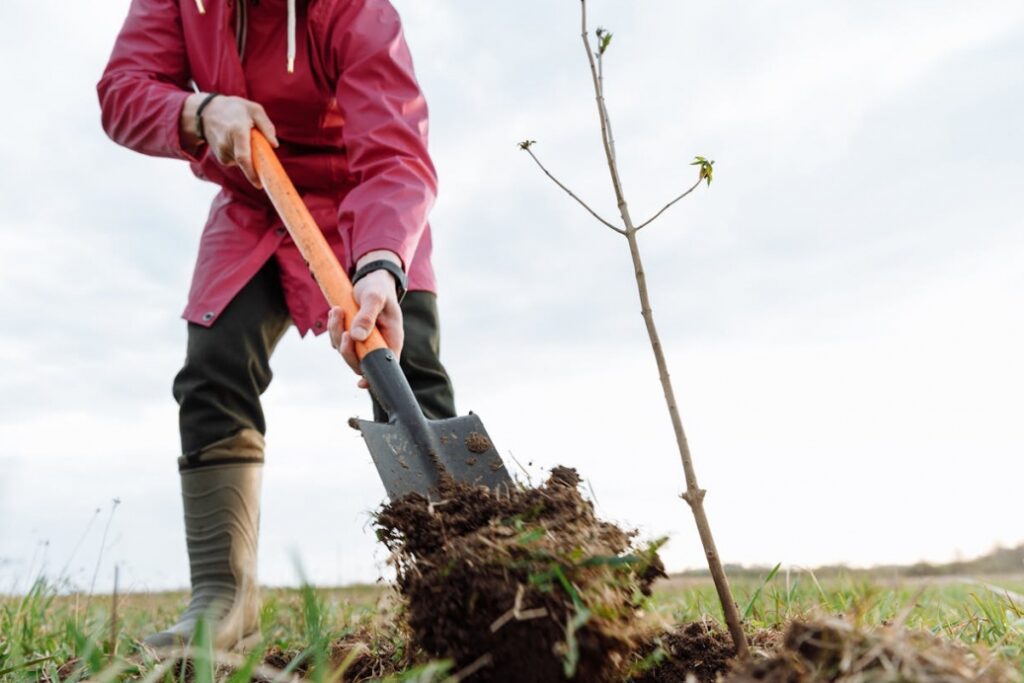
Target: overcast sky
841, 309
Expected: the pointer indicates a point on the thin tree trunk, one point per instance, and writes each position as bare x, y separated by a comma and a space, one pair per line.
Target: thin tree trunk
694, 495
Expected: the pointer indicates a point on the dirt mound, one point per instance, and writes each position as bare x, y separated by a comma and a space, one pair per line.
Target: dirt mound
834, 651
820, 651
366, 657
695, 652
524, 585
700, 648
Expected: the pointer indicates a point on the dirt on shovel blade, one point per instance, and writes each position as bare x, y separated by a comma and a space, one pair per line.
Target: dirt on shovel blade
525, 586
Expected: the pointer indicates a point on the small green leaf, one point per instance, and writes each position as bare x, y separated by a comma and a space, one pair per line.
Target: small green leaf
706, 168
569, 588
527, 144
528, 537
611, 561
572, 650
604, 39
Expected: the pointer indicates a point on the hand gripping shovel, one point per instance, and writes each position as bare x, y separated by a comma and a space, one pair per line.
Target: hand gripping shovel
412, 453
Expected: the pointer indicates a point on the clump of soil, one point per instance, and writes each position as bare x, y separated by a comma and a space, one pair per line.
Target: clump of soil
820, 651
359, 657
699, 648
522, 585
373, 650
368, 657
834, 651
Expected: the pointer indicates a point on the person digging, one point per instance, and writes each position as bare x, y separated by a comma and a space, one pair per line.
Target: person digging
331, 84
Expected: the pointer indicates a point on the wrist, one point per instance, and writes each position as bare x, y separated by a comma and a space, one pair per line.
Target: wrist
394, 269
203, 104
379, 255
188, 123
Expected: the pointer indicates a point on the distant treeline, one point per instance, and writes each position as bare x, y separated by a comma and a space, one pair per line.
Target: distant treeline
998, 561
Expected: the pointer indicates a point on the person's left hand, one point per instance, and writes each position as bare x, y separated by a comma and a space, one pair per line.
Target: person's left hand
378, 306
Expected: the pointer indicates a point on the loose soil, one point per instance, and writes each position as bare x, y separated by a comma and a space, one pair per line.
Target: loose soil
835, 651
362, 657
525, 585
827, 650
700, 648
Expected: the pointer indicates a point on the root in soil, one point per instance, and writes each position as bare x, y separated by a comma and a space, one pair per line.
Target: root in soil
524, 585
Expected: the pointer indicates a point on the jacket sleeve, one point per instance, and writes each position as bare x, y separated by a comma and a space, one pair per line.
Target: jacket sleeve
385, 132
145, 83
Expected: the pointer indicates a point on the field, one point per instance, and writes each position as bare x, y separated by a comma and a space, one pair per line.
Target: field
322, 632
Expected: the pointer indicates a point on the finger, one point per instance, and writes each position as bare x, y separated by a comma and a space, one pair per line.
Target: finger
348, 352
223, 153
390, 325
243, 157
335, 325
362, 383
370, 306
264, 124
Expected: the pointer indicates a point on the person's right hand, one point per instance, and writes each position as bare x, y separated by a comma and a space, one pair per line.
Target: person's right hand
227, 126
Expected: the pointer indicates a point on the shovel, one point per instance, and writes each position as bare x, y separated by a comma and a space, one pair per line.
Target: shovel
412, 454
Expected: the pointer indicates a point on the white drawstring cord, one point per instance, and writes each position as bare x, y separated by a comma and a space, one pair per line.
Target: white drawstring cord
241, 27
291, 36
291, 31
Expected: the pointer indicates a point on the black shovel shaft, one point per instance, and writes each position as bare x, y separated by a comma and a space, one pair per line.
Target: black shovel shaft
388, 383
391, 389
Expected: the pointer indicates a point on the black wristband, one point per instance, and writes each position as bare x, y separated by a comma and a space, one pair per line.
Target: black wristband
199, 114
383, 264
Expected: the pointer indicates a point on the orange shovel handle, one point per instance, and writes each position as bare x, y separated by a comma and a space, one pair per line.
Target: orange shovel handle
327, 272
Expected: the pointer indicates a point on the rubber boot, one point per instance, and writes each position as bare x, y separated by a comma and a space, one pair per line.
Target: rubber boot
220, 488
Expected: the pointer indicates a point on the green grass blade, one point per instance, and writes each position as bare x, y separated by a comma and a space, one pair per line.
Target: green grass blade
757, 593
25, 665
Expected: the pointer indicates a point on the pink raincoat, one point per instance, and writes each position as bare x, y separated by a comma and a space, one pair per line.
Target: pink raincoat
350, 118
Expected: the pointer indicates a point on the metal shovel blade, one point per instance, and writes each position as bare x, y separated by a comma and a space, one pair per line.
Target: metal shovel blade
458, 446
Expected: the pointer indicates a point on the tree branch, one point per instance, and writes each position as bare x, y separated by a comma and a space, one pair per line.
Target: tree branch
526, 148
602, 112
669, 205
600, 89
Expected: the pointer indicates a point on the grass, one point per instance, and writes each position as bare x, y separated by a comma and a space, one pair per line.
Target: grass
42, 631
974, 613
